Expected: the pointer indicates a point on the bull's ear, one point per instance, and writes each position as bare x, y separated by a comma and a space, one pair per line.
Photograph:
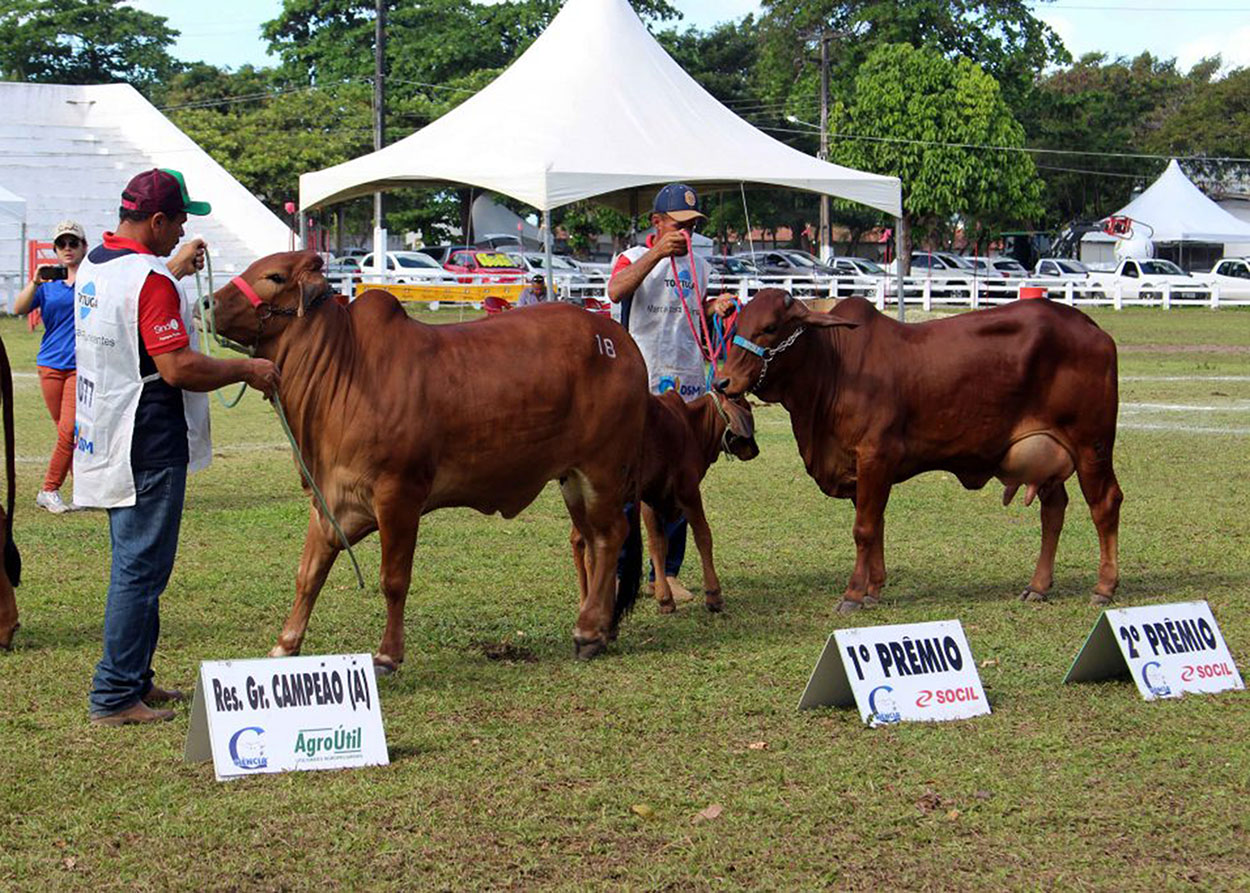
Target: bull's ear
787, 300
741, 421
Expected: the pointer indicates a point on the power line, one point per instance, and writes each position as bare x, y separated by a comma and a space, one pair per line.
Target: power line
1030, 149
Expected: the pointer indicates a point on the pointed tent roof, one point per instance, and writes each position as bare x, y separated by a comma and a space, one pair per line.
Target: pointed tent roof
1177, 211
12, 205
594, 107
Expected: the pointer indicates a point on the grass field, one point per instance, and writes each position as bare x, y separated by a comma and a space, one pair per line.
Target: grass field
524, 774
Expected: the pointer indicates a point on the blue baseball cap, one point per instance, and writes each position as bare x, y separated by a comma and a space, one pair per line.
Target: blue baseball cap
678, 201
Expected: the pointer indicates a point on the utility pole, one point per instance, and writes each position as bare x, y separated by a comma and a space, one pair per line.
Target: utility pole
379, 99
826, 247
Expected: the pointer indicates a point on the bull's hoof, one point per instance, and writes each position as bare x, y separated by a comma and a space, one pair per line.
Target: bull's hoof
384, 665
1032, 595
849, 605
871, 601
1099, 600
666, 607
6, 639
586, 649
280, 651
713, 600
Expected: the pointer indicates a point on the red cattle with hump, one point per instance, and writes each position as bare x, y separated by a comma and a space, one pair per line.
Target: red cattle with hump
1026, 392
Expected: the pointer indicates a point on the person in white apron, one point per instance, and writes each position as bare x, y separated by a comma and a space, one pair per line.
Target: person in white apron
662, 312
141, 422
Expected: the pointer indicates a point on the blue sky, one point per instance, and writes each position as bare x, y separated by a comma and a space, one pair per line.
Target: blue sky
227, 32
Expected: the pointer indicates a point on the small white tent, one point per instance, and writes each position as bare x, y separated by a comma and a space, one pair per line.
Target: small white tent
594, 107
1175, 210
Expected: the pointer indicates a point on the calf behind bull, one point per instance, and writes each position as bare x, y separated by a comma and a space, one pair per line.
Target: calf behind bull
682, 441
1025, 392
395, 418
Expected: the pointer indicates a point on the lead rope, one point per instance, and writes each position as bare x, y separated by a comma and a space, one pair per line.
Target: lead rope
705, 343
210, 317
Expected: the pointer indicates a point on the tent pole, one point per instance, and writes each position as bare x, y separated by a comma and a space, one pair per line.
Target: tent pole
303, 230
898, 260
551, 292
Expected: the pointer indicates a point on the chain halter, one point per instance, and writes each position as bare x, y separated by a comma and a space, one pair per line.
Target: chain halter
767, 353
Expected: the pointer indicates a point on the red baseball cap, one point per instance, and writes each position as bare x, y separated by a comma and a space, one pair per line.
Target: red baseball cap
163, 190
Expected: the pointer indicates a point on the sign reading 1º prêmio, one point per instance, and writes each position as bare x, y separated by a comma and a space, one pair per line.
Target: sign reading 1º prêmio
278, 714
905, 672
1167, 649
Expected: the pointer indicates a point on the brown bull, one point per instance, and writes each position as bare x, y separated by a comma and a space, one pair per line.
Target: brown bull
11, 572
682, 441
1026, 393
395, 419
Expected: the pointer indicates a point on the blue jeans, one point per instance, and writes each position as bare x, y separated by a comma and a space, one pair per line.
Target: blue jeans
674, 531
145, 540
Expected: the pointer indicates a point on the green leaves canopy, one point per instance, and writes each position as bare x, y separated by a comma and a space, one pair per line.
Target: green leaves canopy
926, 113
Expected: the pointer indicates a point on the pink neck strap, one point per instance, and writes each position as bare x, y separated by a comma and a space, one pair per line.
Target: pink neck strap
248, 292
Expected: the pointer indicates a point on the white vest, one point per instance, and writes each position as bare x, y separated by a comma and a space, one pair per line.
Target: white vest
661, 328
106, 305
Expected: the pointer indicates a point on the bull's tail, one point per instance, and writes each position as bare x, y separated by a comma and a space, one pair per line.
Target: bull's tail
12, 558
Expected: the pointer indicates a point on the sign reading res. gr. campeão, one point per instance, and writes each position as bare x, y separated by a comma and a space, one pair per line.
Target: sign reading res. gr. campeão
278, 714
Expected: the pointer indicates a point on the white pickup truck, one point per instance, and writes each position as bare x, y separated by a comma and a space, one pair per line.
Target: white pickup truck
1145, 278
1231, 274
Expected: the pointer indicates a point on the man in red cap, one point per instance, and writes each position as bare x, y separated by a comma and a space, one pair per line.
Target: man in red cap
142, 421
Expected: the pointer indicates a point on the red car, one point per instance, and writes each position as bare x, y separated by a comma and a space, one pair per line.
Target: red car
474, 265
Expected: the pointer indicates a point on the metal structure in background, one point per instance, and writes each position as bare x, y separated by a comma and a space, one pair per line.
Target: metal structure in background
379, 100
826, 238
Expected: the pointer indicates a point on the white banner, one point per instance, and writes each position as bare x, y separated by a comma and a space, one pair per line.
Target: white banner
902, 673
1167, 649
281, 714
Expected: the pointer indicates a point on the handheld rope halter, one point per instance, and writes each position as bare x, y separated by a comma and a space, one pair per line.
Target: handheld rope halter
728, 432
767, 353
266, 311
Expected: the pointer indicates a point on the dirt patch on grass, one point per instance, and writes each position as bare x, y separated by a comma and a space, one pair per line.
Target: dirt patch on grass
506, 651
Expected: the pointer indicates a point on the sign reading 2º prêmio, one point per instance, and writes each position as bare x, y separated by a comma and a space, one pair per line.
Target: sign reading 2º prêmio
1167, 649
280, 714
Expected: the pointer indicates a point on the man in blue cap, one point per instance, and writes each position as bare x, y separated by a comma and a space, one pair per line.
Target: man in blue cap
661, 286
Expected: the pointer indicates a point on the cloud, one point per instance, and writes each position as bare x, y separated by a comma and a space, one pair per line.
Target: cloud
1232, 46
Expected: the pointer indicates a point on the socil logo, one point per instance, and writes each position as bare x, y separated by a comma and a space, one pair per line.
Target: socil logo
86, 299
1156, 680
247, 748
881, 705
668, 383
172, 326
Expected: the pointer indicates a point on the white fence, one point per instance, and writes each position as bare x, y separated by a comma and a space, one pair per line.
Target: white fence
928, 293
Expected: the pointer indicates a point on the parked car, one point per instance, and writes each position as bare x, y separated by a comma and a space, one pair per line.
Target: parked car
998, 267
1143, 279
1061, 268
343, 271
730, 273
1231, 274
858, 276
945, 268
409, 267
785, 262
596, 273
562, 267
441, 253
1051, 268
477, 266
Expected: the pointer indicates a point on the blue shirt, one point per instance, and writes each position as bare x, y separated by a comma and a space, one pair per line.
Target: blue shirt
55, 301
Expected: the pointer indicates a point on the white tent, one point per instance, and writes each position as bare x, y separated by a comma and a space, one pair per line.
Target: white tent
12, 243
1177, 211
594, 107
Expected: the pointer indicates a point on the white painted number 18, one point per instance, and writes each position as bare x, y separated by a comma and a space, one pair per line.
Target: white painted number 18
605, 346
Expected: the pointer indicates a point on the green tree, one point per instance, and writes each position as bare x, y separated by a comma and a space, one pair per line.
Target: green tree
266, 130
84, 42
1106, 108
1213, 120
923, 109
1002, 36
